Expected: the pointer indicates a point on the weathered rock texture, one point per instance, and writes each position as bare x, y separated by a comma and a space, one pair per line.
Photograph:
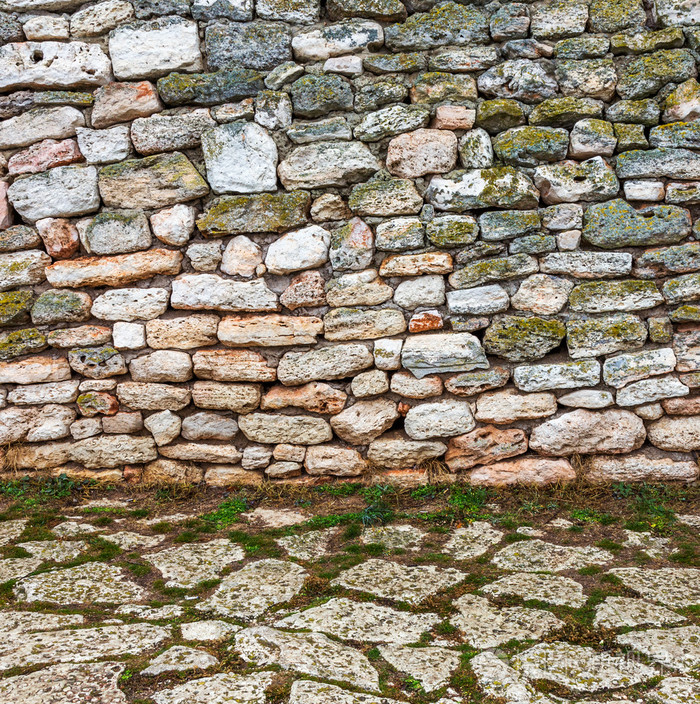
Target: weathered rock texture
265, 238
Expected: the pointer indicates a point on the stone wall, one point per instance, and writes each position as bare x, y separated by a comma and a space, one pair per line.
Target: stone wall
276, 238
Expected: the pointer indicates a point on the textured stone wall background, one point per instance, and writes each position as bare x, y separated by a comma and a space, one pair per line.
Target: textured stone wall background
288, 238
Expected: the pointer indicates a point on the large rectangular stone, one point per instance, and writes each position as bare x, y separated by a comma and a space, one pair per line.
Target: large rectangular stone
211, 292
269, 330
443, 352
57, 193
265, 212
232, 365
113, 271
53, 65
152, 182
35, 370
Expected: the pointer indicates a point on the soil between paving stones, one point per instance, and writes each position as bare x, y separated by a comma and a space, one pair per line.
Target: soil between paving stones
334, 546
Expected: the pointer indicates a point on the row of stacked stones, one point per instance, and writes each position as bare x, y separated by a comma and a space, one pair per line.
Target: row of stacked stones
278, 238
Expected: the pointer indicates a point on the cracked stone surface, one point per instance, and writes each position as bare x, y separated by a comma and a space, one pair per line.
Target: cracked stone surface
29, 621
81, 645
540, 556
472, 540
392, 580
431, 666
307, 546
55, 550
96, 683
623, 612
671, 586
88, 583
580, 669
398, 537
274, 518
676, 648
554, 589
311, 653
190, 564
149, 613
485, 626
180, 658
351, 620
219, 689
255, 588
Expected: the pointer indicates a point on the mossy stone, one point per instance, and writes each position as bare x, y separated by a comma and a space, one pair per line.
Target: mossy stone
597, 336
521, 339
383, 196
18, 237
611, 296
438, 87
316, 96
500, 114
644, 112
14, 307
615, 15
19, 342
395, 63
61, 306
264, 212
374, 95
533, 244
530, 145
504, 224
643, 42
617, 224
565, 112
629, 137
644, 76
210, 88
452, 230
491, 270
258, 45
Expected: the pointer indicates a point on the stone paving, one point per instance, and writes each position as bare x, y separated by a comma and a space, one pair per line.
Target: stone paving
288, 610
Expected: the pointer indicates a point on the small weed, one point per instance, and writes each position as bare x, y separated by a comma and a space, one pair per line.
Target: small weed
590, 570
373, 654
162, 527
467, 500
354, 530
608, 544
227, 513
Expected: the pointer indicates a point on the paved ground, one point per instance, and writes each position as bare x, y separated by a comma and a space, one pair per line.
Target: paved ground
104, 602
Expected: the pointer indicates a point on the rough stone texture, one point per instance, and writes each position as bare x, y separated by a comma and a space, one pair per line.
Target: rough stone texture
388, 199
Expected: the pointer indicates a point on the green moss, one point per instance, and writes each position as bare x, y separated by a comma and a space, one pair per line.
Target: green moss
58, 306
565, 112
526, 146
596, 296
19, 342
501, 269
523, 338
498, 115
14, 306
437, 87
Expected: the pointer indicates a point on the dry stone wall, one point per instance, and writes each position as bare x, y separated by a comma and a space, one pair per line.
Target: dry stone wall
280, 238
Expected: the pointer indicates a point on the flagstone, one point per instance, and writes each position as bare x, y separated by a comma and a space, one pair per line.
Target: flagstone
677, 690
225, 688
212, 630
180, 658
9, 530
150, 613
81, 645
623, 612
93, 582
187, 565
540, 556
55, 550
310, 653
66, 684
581, 669
652, 545
307, 692
431, 666
361, 621
675, 648
17, 622
129, 540
485, 626
396, 537
472, 540
551, 588
307, 546
392, 580
672, 586
254, 588
274, 518
69, 529
17, 567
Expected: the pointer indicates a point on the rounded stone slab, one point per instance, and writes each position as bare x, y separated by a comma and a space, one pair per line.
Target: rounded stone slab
66, 684
485, 626
675, 648
256, 587
17, 622
392, 580
472, 540
540, 556
579, 668
219, 689
81, 645
351, 620
188, 565
307, 546
93, 582
550, 588
311, 653
622, 612
180, 658
672, 586
399, 537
